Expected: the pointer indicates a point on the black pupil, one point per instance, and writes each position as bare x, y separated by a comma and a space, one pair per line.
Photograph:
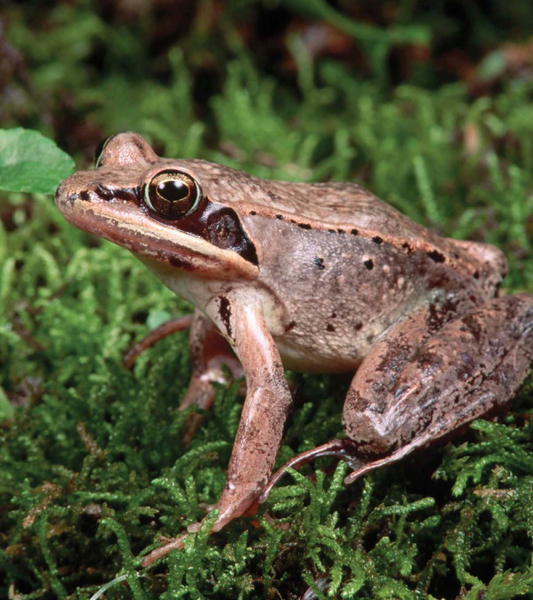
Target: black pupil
173, 190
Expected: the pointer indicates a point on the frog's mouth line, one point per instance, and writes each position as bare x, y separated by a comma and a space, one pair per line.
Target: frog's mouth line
123, 223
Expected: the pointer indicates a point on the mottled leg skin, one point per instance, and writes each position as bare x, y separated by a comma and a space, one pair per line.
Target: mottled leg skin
258, 438
209, 352
159, 333
470, 366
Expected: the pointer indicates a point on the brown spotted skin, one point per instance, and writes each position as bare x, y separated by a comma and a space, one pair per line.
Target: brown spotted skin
314, 277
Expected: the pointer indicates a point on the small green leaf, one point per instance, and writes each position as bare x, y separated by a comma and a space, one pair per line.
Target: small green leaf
30, 162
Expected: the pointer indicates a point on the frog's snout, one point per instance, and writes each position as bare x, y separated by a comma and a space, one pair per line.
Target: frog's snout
67, 193
70, 198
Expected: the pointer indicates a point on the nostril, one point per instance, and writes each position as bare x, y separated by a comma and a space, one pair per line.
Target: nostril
72, 197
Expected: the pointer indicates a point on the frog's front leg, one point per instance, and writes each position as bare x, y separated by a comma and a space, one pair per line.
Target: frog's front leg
260, 430
406, 395
268, 401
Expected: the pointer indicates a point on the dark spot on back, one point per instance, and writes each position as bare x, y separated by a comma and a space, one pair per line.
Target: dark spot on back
354, 232
340, 231
304, 225
377, 239
330, 327
358, 326
319, 262
84, 195
369, 264
273, 196
437, 256
407, 246
280, 217
331, 231
476, 275
253, 213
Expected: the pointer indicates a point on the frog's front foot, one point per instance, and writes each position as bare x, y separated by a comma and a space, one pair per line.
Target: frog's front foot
267, 403
230, 507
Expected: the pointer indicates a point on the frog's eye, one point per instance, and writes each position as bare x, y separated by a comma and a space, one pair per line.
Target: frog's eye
172, 194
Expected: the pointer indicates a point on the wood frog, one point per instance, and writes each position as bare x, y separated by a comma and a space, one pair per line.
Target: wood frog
321, 277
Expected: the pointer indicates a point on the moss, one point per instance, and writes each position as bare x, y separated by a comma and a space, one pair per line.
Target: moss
91, 467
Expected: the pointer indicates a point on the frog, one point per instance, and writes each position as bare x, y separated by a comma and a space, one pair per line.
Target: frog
311, 277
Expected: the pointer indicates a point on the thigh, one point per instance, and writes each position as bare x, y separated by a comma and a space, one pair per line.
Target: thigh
415, 387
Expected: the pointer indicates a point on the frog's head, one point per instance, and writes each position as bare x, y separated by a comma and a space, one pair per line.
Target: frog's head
158, 209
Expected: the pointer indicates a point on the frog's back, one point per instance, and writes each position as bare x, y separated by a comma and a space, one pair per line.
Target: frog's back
343, 208
332, 204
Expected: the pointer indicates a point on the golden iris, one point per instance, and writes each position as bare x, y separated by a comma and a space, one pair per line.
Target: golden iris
172, 194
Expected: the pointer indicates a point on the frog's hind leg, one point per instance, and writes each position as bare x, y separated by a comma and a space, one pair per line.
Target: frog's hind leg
472, 364
433, 372
384, 359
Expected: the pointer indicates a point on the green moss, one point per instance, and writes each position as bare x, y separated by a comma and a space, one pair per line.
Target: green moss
91, 467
